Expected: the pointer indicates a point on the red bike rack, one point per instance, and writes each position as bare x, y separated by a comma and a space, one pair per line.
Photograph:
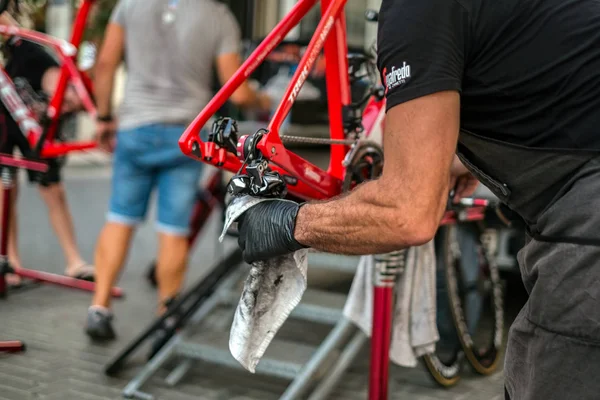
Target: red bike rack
9, 164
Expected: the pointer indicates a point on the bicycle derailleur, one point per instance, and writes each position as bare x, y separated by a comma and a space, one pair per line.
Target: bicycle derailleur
259, 180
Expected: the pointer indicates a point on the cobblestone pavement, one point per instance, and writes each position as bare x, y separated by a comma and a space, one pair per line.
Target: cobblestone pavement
60, 363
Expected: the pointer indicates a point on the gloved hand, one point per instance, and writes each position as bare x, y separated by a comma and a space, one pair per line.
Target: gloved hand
267, 230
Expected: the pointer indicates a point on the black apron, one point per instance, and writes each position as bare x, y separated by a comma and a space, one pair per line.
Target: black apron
554, 343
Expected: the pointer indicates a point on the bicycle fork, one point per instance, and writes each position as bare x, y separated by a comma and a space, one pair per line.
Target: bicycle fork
387, 268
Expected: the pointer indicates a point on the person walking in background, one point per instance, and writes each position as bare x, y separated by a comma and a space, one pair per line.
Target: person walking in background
170, 49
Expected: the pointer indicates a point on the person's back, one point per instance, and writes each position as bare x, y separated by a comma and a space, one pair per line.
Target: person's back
533, 72
170, 48
529, 69
528, 72
170, 54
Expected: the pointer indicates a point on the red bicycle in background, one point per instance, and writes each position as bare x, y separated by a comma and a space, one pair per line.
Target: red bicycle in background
265, 167
42, 133
39, 140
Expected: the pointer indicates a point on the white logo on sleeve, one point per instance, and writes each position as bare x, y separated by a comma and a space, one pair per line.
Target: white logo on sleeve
397, 76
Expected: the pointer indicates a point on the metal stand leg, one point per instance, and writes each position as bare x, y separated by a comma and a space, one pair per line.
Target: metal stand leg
8, 176
387, 268
337, 335
7, 186
132, 390
327, 385
185, 306
13, 346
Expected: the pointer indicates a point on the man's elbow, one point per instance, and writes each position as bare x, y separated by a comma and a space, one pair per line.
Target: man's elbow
423, 232
419, 230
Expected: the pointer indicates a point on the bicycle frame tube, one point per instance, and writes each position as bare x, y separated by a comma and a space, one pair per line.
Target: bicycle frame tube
476, 213
19, 112
69, 72
312, 182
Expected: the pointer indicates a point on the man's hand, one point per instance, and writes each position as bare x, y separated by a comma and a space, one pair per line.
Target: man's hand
71, 101
464, 186
105, 135
267, 230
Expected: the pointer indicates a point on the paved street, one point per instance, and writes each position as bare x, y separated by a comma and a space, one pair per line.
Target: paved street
61, 363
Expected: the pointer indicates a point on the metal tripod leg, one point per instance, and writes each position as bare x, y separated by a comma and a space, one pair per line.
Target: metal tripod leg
196, 295
132, 390
338, 335
7, 187
351, 350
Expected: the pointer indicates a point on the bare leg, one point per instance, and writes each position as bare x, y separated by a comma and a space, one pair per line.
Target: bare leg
171, 266
58, 211
111, 252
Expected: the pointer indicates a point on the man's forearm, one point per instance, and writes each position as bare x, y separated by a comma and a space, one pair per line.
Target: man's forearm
367, 221
103, 89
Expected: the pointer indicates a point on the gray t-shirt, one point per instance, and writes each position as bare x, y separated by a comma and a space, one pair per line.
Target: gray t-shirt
170, 50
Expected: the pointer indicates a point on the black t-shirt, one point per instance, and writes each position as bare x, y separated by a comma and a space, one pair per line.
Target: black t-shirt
30, 61
528, 71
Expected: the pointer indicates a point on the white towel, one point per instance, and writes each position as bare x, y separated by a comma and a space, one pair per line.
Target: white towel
271, 291
414, 329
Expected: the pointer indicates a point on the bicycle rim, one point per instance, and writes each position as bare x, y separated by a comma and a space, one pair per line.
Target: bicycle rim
445, 363
481, 340
445, 373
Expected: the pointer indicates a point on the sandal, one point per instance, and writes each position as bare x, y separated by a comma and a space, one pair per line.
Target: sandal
84, 272
15, 283
13, 280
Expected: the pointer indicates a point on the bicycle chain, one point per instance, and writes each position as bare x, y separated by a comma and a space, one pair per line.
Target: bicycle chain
310, 140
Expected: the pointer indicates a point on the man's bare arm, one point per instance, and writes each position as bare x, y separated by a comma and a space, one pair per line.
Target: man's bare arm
111, 55
404, 207
244, 96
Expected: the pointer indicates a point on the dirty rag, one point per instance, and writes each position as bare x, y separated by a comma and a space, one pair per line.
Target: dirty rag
414, 329
271, 291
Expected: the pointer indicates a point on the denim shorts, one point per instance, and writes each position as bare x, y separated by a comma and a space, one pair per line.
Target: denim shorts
149, 157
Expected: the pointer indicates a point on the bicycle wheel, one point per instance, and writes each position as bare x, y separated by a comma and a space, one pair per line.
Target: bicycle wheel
476, 301
445, 364
445, 368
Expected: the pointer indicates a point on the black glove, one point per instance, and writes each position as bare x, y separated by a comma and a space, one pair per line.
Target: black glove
267, 230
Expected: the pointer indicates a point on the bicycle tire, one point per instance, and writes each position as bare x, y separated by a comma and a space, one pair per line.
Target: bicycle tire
444, 373
483, 359
445, 365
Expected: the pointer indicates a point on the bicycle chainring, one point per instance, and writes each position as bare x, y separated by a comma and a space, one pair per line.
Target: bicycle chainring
364, 162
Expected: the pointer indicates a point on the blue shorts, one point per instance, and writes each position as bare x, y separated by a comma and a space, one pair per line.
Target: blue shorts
146, 158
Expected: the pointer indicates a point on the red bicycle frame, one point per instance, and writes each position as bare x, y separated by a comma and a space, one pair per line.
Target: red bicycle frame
330, 35
312, 183
41, 143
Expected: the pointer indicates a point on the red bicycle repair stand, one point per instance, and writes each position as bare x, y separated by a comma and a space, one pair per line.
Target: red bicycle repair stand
9, 165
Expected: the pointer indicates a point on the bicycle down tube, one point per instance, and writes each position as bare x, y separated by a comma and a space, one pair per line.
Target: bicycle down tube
310, 182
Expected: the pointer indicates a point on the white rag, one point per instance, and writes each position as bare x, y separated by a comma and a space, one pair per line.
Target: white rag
272, 290
414, 330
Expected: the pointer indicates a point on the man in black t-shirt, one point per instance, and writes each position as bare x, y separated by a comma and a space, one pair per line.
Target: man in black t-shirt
512, 87
34, 69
